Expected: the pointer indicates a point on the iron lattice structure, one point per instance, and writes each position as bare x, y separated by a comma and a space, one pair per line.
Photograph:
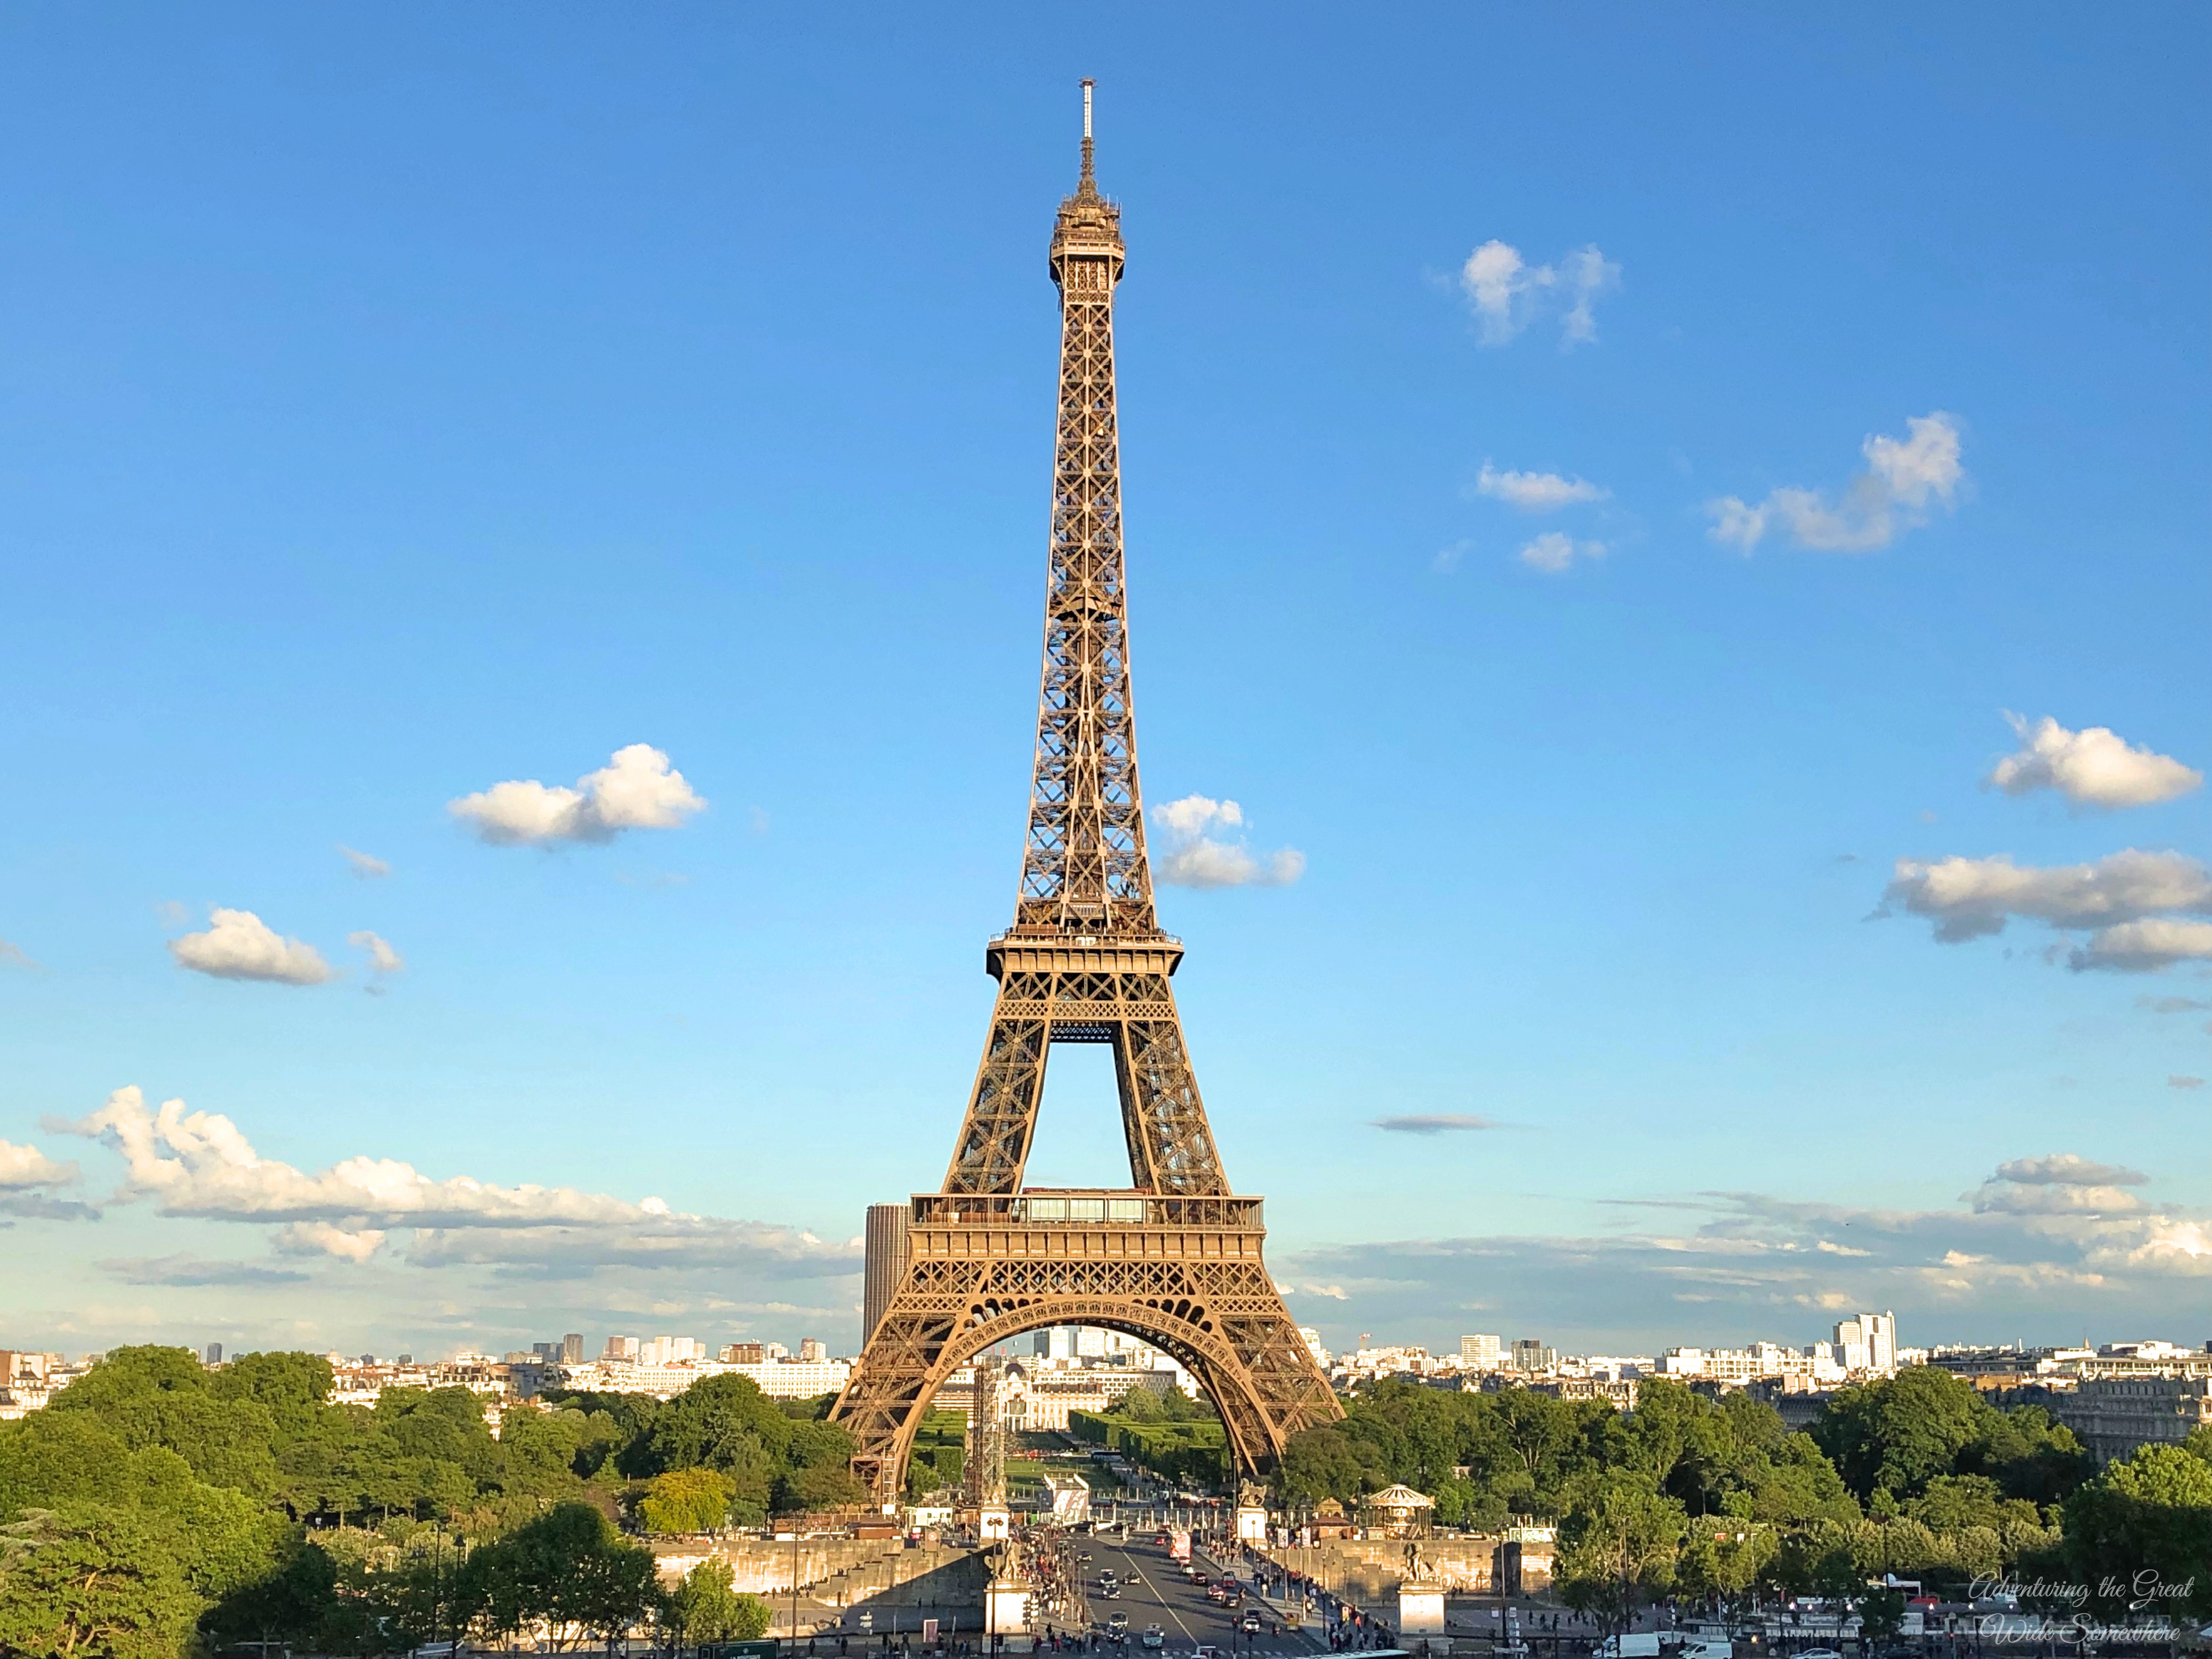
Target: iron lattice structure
1175, 1259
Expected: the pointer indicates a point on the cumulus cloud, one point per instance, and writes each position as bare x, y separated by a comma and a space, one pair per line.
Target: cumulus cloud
23, 1167
1554, 552
239, 944
364, 866
1433, 1123
1507, 294
635, 790
1203, 846
2144, 947
1970, 898
1535, 492
2094, 766
1905, 477
319, 1238
382, 958
199, 1164
2067, 1169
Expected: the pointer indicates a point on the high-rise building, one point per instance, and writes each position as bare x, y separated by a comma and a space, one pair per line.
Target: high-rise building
571, 1348
213, 1356
884, 1262
621, 1350
1479, 1351
1311, 1337
810, 1351
548, 1353
1882, 1340
1529, 1354
744, 1353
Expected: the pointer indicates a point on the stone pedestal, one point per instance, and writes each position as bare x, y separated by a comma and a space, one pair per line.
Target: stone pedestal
1251, 1524
1005, 1609
993, 1525
1420, 1612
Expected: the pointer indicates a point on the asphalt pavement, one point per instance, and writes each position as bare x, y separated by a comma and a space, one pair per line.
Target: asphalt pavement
1155, 1592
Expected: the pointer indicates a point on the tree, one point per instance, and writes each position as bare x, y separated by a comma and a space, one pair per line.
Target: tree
86, 1580
1616, 1546
703, 1608
156, 1396
1897, 1434
569, 1568
2141, 1533
687, 1500
1881, 1614
1322, 1462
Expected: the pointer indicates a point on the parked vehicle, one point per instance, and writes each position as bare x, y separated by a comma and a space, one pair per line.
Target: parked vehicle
1635, 1645
1154, 1636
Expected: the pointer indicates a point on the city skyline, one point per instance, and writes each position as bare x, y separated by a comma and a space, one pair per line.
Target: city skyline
1667, 840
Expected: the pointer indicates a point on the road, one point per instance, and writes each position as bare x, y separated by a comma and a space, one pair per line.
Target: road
1155, 1592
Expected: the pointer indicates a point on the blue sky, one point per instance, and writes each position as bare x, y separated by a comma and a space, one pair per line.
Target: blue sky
396, 404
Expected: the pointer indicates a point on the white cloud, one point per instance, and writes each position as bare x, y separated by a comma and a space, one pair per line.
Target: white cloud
240, 945
2067, 1169
2144, 947
1194, 815
1194, 857
382, 958
315, 1238
27, 1166
1903, 478
1535, 492
2180, 1081
198, 1165
2094, 766
14, 956
1507, 294
1554, 552
366, 867
637, 790
1970, 898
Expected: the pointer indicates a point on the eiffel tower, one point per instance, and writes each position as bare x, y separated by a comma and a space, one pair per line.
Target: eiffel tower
1173, 1259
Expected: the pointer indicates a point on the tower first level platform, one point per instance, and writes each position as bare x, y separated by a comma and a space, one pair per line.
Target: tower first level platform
1183, 1273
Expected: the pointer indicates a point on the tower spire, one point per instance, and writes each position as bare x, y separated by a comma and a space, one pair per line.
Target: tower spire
1089, 181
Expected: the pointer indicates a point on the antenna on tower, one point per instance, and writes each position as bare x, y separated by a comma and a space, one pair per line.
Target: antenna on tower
1087, 85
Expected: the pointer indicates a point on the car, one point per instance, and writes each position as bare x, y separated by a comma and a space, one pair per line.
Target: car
1250, 1624
1154, 1636
1117, 1624
1818, 1653
1112, 1592
1215, 1593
